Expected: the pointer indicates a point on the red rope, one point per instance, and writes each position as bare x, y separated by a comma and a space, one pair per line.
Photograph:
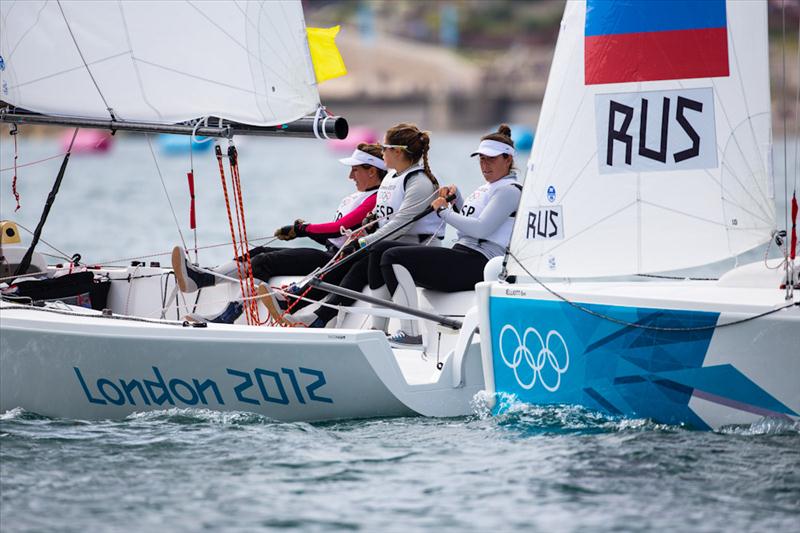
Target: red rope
793, 252
230, 219
338, 257
233, 160
14, 181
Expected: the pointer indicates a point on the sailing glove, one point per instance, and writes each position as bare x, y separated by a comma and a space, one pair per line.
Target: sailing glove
297, 229
285, 233
370, 219
350, 248
300, 228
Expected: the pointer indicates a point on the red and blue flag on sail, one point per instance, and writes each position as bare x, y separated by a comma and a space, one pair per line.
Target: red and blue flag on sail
650, 40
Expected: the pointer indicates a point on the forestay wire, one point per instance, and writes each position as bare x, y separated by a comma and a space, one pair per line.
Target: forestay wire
166, 193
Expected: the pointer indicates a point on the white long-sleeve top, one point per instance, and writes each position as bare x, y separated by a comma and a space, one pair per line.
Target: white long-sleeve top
486, 225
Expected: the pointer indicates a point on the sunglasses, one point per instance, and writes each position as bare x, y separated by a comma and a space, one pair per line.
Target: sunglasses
385, 147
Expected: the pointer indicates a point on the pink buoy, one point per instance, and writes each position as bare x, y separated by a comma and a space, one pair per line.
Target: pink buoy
87, 141
356, 136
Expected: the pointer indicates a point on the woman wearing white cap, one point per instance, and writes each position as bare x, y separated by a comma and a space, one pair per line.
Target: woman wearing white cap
483, 222
367, 170
405, 192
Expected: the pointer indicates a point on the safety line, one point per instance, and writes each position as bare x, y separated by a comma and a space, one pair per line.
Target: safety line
645, 326
33, 162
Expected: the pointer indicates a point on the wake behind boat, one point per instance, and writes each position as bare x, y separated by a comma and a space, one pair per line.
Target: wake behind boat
606, 196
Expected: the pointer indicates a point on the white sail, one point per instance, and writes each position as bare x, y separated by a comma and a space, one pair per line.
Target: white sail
167, 61
602, 198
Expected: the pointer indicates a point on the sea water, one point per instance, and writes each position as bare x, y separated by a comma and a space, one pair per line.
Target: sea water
531, 468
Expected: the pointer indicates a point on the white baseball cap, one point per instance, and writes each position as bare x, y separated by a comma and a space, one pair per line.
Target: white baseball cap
494, 148
363, 158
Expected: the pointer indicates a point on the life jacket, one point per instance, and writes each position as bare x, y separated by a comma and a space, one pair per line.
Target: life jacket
390, 197
348, 204
476, 202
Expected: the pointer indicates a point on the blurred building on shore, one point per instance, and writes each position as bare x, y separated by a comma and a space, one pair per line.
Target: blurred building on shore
392, 79
445, 65
471, 64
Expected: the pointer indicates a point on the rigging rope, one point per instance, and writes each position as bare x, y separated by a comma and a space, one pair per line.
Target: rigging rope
784, 113
67, 312
85, 64
14, 133
797, 115
270, 239
338, 256
29, 163
164, 186
320, 273
621, 322
218, 152
246, 269
67, 257
233, 160
793, 245
48, 204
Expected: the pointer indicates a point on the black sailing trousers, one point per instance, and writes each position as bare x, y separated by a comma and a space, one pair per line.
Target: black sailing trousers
432, 267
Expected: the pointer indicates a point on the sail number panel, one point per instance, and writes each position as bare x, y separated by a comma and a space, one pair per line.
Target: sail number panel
656, 131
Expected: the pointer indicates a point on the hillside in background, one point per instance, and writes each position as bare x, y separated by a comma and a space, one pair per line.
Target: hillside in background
473, 63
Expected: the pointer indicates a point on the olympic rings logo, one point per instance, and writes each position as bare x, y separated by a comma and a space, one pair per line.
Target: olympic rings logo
545, 356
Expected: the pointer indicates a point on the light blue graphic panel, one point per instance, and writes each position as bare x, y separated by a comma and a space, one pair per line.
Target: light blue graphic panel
551, 352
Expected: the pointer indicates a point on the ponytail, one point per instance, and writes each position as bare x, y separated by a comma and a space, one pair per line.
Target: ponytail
503, 135
417, 143
426, 167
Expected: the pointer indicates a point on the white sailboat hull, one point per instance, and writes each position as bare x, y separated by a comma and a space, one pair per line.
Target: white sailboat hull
99, 368
646, 350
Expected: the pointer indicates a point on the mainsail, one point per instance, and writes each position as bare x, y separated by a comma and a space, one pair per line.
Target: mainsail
653, 147
164, 62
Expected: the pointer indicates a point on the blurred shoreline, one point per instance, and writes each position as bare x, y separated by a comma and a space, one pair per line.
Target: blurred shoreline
469, 65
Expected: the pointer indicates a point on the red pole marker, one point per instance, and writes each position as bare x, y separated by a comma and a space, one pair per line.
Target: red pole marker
794, 227
192, 220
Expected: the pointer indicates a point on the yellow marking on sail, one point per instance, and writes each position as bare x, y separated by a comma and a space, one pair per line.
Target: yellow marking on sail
328, 62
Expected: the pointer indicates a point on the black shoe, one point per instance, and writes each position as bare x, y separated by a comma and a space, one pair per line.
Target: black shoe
229, 315
318, 323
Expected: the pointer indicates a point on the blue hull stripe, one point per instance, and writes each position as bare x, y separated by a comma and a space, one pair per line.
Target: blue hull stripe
547, 352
